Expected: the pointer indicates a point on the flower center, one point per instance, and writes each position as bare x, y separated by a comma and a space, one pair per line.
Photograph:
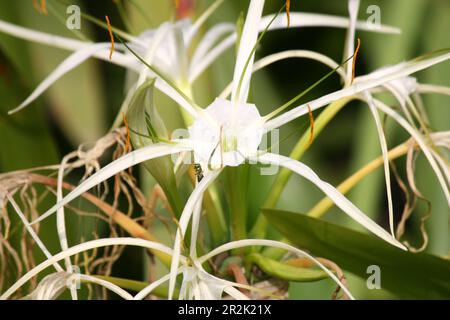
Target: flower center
226, 140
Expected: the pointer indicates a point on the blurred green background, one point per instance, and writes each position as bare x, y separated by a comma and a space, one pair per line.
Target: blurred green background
82, 105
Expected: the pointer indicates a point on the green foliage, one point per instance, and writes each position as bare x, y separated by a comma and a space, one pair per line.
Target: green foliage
408, 275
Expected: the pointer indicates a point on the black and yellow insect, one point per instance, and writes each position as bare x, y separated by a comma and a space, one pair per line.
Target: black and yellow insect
198, 171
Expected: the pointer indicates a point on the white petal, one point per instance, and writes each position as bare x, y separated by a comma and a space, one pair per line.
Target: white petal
297, 20
60, 219
31, 231
420, 141
340, 200
106, 284
384, 150
81, 248
243, 67
353, 8
360, 84
68, 64
288, 54
183, 224
208, 41
124, 162
276, 244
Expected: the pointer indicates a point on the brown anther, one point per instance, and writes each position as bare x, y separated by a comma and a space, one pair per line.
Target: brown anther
354, 60
288, 12
111, 36
44, 7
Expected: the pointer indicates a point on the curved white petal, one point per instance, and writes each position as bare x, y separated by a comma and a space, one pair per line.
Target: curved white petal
276, 244
106, 284
297, 20
372, 80
353, 8
124, 162
148, 289
184, 221
384, 150
246, 53
84, 247
288, 54
304, 19
420, 141
61, 221
208, 41
73, 61
31, 231
338, 198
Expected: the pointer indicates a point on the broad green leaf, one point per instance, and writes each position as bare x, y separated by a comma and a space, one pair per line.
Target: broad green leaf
146, 127
286, 272
408, 275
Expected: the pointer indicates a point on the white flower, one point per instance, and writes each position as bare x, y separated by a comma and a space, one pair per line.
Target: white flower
167, 47
228, 132
230, 138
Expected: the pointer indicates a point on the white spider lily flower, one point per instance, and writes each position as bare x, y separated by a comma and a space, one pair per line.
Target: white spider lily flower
171, 43
234, 143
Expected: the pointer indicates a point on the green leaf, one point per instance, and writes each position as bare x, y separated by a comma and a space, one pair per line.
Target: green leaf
287, 272
408, 275
146, 128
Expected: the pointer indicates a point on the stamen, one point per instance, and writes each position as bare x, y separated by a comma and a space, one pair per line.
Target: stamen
36, 6
44, 7
41, 8
111, 36
127, 128
311, 124
288, 12
354, 60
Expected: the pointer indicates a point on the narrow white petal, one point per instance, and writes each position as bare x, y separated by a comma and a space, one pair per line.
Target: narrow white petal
353, 8
298, 20
148, 289
384, 150
33, 234
420, 141
247, 43
202, 19
60, 218
431, 88
338, 198
360, 84
67, 65
184, 222
276, 244
124, 162
208, 41
81, 248
288, 54
41, 37
106, 284
302, 19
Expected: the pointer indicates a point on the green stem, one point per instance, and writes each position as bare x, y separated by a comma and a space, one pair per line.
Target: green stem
260, 226
238, 178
